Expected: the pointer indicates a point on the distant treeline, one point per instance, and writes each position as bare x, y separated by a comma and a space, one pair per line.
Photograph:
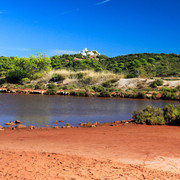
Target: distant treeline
16, 69
133, 65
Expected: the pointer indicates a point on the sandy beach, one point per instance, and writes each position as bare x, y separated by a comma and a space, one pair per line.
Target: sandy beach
108, 152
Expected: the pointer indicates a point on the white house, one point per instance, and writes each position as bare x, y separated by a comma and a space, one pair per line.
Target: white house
86, 52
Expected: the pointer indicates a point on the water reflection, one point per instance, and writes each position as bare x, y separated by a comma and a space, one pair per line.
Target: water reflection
42, 110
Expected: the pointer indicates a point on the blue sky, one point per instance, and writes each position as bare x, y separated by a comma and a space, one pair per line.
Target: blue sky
113, 27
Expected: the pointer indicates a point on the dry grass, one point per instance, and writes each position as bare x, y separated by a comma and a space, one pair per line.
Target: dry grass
97, 77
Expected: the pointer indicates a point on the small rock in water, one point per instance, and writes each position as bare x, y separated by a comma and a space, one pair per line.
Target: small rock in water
18, 122
117, 122
124, 121
55, 122
61, 121
81, 124
31, 127
10, 123
21, 126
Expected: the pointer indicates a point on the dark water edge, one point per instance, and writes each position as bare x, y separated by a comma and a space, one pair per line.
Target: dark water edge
42, 110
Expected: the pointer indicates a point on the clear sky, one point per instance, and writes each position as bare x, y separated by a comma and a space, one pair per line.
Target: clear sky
112, 27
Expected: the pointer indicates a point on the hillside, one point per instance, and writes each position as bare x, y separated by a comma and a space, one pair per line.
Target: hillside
132, 65
125, 75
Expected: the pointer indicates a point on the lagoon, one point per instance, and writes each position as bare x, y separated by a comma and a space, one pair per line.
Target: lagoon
41, 110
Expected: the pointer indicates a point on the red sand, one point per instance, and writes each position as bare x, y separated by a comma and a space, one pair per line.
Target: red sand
109, 152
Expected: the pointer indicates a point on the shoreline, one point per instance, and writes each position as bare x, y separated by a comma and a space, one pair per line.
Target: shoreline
74, 92
122, 151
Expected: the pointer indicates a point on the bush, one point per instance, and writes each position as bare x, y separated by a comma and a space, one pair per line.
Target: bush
166, 89
81, 93
40, 86
169, 96
97, 88
52, 89
128, 76
172, 114
156, 83
25, 80
150, 116
154, 96
77, 76
80, 75
107, 84
87, 81
104, 93
57, 77
141, 95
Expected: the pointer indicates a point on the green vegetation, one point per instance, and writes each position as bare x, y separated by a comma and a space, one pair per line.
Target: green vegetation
172, 114
99, 75
149, 115
156, 83
155, 116
133, 65
52, 89
57, 77
20, 70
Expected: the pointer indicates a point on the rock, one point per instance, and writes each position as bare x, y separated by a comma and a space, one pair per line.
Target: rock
117, 122
1, 127
93, 125
131, 120
55, 122
10, 123
61, 121
21, 126
124, 121
88, 124
68, 126
56, 127
31, 127
12, 128
18, 122
81, 124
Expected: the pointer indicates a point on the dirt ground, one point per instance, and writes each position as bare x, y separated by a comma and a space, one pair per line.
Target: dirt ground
107, 152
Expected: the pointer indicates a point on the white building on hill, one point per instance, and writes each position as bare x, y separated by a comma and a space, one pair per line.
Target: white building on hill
86, 52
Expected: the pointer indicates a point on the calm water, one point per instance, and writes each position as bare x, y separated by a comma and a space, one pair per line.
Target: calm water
44, 110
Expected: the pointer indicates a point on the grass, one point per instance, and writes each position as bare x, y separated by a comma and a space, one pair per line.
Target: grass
90, 77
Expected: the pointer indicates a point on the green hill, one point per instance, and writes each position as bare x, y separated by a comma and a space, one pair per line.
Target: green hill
14, 69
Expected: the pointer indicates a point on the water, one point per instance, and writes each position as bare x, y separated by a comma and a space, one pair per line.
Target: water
42, 110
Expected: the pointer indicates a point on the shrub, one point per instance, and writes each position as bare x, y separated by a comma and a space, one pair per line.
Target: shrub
169, 96
178, 88
40, 86
107, 84
97, 88
25, 80
80, 75
166, 89
81, 93
128, 76
150, 116
104, 93
141, 95
87, 81
31, 86
52, 89
57, 77
157, 82
154, 96
172, 114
